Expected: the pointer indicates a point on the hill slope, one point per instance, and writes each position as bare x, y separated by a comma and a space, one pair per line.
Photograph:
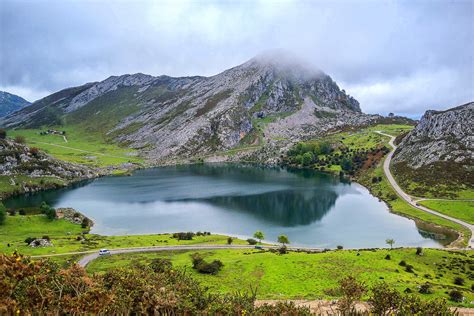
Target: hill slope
439, 150
10, 103
165, 117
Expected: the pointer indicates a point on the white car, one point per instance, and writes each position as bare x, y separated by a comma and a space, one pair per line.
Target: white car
104, 252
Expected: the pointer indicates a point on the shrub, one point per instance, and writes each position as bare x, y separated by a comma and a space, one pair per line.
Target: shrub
459, 281
251, 241
34, 151
383, 299
425, 289
3, 214
51, 213
402, 263
229, 240
282, 250
409, 268
20, 139
204, 267
160, 265
184, 235
46, 237
85, 222
419, 251
388, 257
3, 133
28, 240
22, 212
352, 292
340, 247
456, 296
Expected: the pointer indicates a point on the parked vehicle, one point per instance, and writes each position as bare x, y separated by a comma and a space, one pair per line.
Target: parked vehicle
104, 252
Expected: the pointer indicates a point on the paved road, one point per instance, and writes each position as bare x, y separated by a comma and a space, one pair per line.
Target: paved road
412, 201
94, 255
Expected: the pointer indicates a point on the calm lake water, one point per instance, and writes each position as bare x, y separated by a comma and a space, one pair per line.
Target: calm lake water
311, 208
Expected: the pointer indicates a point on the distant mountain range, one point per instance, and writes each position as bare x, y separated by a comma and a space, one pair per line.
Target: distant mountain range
10, 103
265, 100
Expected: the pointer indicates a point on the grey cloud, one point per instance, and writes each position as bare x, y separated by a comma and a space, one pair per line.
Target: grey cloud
399, 56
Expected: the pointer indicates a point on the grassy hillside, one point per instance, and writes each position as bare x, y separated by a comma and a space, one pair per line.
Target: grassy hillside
81, 146
313, 276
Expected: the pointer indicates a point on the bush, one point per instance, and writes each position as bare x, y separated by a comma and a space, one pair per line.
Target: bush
160, 265
12, 212
20, 139
456, 296
204, 267
251, 241
184, 235
425, 289
419, 251
383, 299
22, 212
46, 237
85, 222
3, 133
229, 240
51, 213
282, 250
388, 257
409, 268
34, 151
340, 247
352, 291
402, 263
28, 240
459, 281
3, 214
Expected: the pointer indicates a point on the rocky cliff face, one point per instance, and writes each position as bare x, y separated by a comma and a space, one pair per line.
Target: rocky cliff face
439, 151
256, 103
10, 103
440, 136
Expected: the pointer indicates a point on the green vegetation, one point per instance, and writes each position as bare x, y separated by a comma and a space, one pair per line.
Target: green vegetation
315, 275
68, 237
81, 146
460, 209
12, 185
351, 151
3, 213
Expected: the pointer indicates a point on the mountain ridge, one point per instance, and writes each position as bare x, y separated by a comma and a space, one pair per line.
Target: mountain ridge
183, 117
10, 103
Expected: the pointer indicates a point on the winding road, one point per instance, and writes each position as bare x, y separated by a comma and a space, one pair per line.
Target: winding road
94, 254
411, 200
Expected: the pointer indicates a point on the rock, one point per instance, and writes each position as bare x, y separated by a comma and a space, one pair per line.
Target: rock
40, 242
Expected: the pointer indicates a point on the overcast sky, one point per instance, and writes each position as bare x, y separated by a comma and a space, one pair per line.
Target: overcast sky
393, 56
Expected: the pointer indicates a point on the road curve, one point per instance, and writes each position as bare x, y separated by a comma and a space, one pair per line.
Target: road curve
412, 201
92, 256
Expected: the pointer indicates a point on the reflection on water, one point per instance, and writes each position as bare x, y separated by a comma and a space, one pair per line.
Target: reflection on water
312, 208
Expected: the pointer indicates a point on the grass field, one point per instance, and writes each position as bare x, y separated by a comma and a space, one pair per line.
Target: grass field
81, 147
310, 276
460, 209
63, 235
8, 188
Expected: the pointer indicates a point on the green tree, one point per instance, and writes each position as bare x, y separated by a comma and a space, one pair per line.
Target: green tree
346, 164
307, 158
259, 235
3, 133
3, 214
390, 242
325, 148
229, 240
283, 239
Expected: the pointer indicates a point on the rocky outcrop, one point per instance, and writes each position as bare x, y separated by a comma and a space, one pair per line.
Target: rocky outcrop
269, 97
18, 159
437, 157
440, 136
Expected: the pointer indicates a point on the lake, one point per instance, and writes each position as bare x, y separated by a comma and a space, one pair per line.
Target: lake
311, 208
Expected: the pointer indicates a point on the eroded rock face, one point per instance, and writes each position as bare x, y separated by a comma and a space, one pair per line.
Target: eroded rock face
446, 136
40, 242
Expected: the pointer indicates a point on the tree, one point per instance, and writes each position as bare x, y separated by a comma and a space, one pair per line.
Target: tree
229, 240
259, 235
346, 164
283, 239
3, 214
307, 158
3, 133
390, 242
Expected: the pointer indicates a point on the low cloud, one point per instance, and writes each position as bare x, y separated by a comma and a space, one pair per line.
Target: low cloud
394, 56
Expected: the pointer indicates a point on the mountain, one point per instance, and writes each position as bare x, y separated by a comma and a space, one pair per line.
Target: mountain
10, 103
267, 99
440, 149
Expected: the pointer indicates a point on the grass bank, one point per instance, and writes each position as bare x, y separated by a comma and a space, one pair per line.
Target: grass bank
460, 209
312, 276
68, 237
